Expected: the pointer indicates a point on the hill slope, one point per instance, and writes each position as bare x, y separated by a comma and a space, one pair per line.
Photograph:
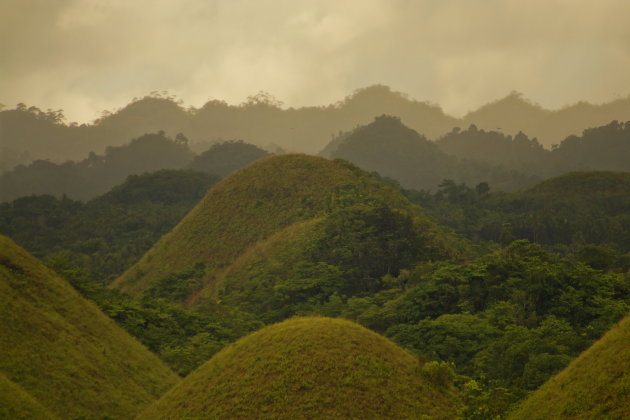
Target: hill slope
596, 385
252, 205
307, 368
64, 352
15, 403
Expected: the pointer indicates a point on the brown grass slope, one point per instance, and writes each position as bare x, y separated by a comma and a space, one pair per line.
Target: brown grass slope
15, 403
596, 385
64, 352
253, 204
318, 368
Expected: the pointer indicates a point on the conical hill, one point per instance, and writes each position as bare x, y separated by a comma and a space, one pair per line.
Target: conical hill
252, 205
596, 385
308, 368
60, 350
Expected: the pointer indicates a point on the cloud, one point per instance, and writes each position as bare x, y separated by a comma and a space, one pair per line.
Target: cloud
88, 55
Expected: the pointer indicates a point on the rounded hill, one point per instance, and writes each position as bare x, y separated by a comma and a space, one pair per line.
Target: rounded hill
308, 368
596, 385
592, 183
60, 350
253, 204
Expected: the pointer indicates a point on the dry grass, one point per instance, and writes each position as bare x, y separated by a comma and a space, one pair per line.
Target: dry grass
255, 203
318, 368
64, 352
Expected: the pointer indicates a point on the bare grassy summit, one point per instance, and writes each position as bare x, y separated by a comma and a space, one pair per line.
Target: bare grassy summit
319, 368
255, 203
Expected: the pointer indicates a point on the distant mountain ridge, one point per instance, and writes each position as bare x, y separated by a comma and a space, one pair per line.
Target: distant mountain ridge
473, 156
262, 121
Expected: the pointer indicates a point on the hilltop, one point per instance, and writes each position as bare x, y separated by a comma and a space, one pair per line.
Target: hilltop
595, 385
261, 200
64, 352
392, 149
308, 368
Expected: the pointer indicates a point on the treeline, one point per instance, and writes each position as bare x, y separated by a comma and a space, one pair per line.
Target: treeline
96, 174
262, 120
575, 209
473, 156
107, 234
386, 146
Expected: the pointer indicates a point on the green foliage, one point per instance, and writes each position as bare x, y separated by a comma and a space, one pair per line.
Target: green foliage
485, 404
309, 368
107, 234
595, 385
439, 374
571, 210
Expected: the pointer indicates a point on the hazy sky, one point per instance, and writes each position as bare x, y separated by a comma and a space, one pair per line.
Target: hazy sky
85, 56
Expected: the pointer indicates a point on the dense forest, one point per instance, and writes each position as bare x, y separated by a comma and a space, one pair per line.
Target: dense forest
469, 265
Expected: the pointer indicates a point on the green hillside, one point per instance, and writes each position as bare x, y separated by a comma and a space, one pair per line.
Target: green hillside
257, 202
308, 368
15, 403
64, 352
594, 386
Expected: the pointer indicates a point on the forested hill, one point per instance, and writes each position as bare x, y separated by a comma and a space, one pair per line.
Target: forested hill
396, 151
29, 133
475, 156
97, 174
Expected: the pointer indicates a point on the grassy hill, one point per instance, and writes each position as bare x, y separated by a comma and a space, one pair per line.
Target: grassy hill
588, 184
596, 385
15, 403
308, 368
64, 352
257, 202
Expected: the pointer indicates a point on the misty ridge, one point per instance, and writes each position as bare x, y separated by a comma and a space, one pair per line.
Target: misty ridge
385, 145
29, 133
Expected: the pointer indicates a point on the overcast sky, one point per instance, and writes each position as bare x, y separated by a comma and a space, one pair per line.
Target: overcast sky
85, 56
